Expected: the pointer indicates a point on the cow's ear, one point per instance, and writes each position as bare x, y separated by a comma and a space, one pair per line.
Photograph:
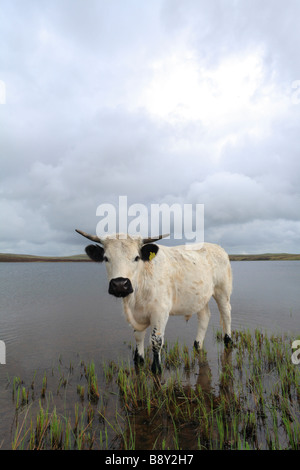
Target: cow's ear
149, 251
95, 252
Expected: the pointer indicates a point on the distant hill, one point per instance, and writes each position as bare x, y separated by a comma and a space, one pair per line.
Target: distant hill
10, 257
266, 257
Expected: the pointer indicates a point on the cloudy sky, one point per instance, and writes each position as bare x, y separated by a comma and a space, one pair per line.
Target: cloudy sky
175, 101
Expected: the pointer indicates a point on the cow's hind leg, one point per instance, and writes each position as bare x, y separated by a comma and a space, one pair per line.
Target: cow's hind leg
139, 350
203, 320
223, 302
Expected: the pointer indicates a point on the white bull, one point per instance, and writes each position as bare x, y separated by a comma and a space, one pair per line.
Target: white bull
158, 281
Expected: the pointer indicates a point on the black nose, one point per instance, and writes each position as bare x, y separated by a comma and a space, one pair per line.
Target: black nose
120, 287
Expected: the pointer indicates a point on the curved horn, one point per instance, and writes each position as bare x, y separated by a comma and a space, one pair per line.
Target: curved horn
159, 237
94, 238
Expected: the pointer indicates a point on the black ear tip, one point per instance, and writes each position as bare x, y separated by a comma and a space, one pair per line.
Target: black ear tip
148, 251
95, 252
89, 249
154, 248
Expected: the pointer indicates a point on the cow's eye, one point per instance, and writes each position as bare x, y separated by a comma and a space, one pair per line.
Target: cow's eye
105, 259
137, 258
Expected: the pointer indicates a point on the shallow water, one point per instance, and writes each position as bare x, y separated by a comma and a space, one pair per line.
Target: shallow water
62, 311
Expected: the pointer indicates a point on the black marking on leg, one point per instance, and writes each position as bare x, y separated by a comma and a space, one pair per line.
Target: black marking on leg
153, 335
138, 359
156, 367
156, 341
228, 341
197, 345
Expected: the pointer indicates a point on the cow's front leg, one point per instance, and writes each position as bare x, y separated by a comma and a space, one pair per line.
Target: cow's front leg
157, 341
139, 350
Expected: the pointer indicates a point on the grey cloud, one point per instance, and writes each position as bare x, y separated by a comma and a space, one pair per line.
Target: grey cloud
233, 197
259, 236
217, 28
75, 132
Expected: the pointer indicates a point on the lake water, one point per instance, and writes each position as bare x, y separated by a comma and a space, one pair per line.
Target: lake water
63, 310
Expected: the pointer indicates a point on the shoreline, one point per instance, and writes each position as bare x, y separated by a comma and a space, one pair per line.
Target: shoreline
12, 258
16, 258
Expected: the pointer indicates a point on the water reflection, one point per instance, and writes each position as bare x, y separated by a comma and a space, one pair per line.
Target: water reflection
182, 414
52, 310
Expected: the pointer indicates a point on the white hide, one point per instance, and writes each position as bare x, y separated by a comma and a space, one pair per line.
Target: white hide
177, 281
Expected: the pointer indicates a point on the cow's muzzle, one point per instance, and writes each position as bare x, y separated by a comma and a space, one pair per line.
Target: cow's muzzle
120, 287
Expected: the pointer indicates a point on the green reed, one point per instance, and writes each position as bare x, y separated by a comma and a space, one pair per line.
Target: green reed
250, 400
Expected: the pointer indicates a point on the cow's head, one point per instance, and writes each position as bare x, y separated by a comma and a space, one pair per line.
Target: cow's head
123, 256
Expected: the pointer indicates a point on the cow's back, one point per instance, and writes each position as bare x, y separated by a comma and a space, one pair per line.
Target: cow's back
221, 268
195, 274
190, 278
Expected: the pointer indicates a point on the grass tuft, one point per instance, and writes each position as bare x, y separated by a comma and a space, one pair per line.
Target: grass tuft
249, 400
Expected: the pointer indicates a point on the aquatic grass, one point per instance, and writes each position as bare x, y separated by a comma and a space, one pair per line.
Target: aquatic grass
81, 391
17, 382
19, 437
44, 386
253, 403
109, 370
93, 392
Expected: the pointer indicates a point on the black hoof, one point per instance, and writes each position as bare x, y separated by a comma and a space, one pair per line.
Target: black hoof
138, 359
156, 367
228, 341
197, 345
